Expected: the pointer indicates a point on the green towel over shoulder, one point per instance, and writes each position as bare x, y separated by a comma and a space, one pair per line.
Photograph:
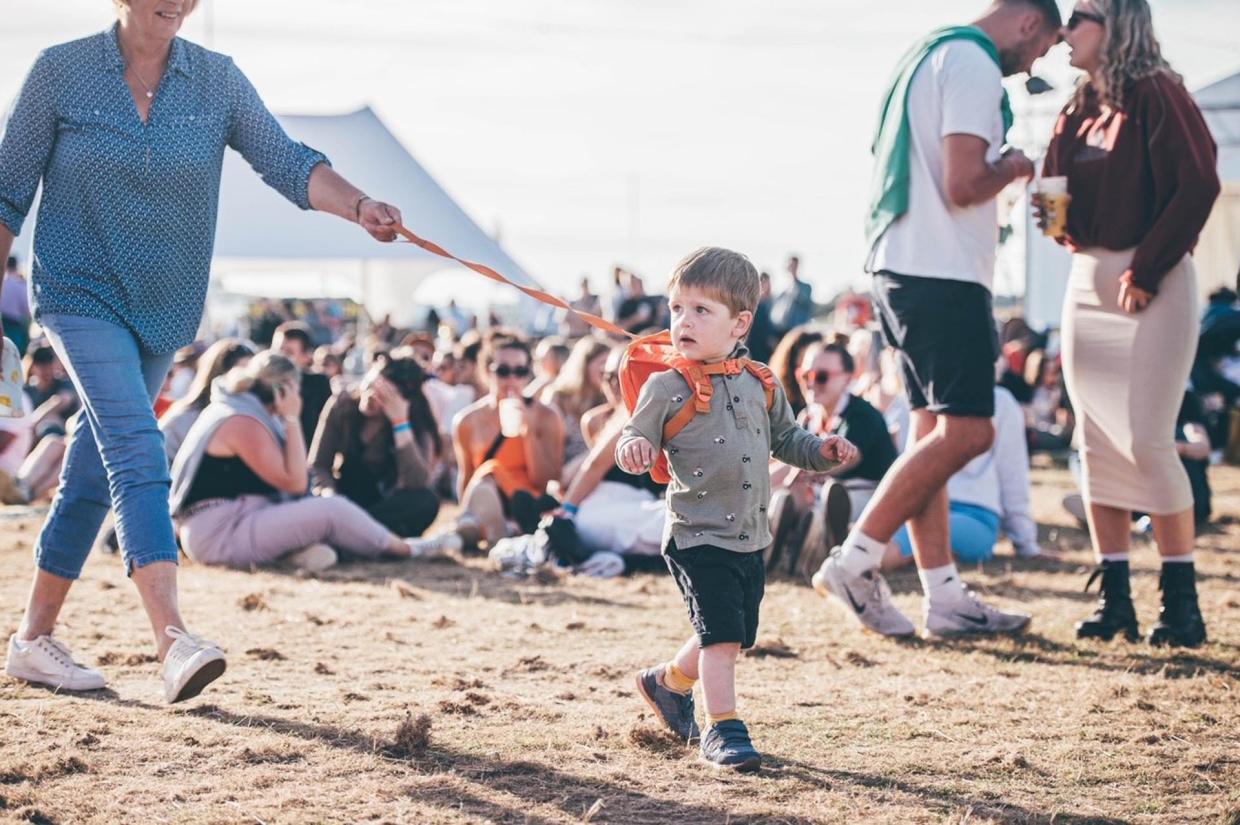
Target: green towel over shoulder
889, 188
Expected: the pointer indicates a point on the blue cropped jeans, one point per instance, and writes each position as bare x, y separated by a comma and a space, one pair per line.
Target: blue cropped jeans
115, 457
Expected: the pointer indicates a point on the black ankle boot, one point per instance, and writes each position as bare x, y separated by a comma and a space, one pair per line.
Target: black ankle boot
1179, 622
1115, 613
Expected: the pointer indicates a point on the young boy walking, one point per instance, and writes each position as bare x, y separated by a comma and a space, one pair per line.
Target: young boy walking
718, 494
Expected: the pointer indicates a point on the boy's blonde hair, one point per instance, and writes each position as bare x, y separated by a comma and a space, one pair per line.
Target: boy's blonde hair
724, 275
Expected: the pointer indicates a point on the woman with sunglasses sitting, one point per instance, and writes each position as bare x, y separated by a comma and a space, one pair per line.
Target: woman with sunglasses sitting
809, 517
508, 447
1141, 169
379, 444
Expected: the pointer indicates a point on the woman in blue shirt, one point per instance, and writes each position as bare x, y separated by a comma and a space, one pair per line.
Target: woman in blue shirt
126, 132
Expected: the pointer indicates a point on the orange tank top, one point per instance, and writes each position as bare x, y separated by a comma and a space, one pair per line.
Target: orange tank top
504, 461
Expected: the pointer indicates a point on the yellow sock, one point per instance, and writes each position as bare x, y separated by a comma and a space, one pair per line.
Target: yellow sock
675, 679
713, 719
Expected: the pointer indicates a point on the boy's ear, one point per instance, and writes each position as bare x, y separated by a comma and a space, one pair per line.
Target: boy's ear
744, 320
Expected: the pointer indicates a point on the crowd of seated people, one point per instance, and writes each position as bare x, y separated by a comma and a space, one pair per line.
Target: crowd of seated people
333, 444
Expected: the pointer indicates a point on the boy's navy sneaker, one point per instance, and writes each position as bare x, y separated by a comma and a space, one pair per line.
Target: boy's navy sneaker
727, 745
675, 710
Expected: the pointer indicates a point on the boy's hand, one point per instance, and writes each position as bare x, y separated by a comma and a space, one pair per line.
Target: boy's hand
636, 456
839, 449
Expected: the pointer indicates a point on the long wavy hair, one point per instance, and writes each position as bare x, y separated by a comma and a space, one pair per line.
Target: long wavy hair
219, 358
571, 391
1130, 52
787, 359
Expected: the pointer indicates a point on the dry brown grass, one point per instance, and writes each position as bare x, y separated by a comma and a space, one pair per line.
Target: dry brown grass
455, 695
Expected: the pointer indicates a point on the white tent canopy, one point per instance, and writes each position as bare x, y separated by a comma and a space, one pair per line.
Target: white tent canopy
266, 246
1218, 250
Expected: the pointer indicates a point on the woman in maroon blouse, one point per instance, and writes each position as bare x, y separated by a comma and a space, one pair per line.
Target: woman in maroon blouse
1141, 169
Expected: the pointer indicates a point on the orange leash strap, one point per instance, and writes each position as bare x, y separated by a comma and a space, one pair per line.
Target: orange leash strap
536, 294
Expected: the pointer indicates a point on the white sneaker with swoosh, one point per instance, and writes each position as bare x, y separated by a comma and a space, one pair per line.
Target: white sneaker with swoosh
970, 616
866, 597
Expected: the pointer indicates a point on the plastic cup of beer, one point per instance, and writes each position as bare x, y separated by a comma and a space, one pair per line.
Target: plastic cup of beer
511, 416
1055, 200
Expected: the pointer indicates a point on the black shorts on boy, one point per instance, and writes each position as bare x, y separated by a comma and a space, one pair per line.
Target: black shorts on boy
944, 333
723, 590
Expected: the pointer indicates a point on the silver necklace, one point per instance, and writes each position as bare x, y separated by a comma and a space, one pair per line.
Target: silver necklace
150, 93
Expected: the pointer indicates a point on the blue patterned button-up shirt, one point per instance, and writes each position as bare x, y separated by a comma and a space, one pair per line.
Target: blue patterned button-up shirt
127, 220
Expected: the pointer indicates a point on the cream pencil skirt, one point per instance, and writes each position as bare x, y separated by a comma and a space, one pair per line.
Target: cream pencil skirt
1126, 376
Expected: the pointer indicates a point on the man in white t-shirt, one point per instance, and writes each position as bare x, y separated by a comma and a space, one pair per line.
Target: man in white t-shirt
933, 260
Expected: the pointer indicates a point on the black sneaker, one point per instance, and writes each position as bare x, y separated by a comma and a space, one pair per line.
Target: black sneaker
675, 710
727, 745
1179, 622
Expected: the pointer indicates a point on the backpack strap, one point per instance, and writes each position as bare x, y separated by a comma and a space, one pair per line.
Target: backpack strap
764, 374
698, 376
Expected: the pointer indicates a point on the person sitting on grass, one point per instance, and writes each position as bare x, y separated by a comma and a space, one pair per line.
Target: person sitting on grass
811, 514
240, 480
575, 391
504, 471
51, 393
618, 515
219, 358
378, 446
990, 493
717, 498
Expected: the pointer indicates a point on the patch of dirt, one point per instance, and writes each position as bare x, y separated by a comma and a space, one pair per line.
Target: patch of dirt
657, 741
253, 602
125, 659
266, 654
457, 708
269, 756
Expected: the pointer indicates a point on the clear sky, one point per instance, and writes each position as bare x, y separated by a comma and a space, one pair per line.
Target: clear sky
589, 132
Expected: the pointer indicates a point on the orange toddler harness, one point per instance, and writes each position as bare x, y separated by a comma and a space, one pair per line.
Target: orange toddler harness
654, 353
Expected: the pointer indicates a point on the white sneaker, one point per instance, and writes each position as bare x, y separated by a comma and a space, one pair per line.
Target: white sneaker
314, 559
192, 663
435, 547
46, 661
866, 597
970, 616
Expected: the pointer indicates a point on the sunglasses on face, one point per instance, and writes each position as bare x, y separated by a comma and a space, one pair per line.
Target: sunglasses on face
819, 377
505, 371
1079, 17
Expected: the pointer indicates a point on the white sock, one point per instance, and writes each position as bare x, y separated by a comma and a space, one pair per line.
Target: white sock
1114, 557
860, 554
1187, 558
941, 585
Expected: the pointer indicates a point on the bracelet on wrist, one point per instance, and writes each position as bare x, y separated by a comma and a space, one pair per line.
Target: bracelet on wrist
571, 509
403, 427
357, 207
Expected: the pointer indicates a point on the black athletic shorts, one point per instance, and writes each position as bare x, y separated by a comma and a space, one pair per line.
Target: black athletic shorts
722, 589
945, 336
